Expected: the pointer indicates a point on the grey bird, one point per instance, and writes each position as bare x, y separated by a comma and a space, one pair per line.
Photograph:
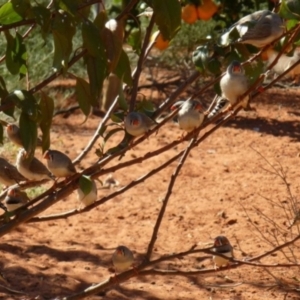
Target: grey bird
234, 84
15, 199
258, 29
89, 198
9, 174
31, 169
13, 133
137, 124
190, 115
122, 259
59, 164
222, 246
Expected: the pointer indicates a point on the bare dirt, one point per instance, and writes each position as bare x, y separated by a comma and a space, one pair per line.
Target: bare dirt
225, 187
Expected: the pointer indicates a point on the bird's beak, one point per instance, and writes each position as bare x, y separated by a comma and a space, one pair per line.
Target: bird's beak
236, 69
46, 155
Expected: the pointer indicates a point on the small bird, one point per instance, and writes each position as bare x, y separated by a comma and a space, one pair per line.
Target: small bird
90, 198
13, 133
9, 174
190, 115
31, 169
15, 199
137, 123
295, 220
234, 84
258, 29
122, 259
59, 164
284, 62
222, 246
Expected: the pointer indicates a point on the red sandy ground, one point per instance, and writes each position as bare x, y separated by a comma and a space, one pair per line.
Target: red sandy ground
225, 187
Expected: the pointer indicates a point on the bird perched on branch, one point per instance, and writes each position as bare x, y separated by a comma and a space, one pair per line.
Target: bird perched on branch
9, 174
190, 115
122, 259
284, 62
89, 198
59, 164
234, 84
222, 246
258, 29
137, 124
13, 133
15, 199
32, 169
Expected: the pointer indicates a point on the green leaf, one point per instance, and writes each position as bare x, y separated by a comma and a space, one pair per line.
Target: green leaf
290, 9
85, 184
3, 90
28, 132
12, 12
92, 40
111, 90
16, 54
43, 18
100, 20
121, 99
63, 30
84, 97
22, 7
135, 40
27, 103
96, 59
46, 106
254, 70
111, 133
145, 106
1, 134
167, 17
123, 69
6, 100
97, 72
69, 6
117, 117
112, 35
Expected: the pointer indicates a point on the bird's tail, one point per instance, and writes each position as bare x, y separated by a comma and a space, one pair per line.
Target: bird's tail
220, 105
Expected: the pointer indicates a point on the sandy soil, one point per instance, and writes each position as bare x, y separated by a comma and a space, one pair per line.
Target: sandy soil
225, 187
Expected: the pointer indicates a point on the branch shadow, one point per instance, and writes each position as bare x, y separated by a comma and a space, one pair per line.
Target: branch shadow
268, 126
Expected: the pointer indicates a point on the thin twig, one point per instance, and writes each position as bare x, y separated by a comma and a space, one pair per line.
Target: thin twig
167, 197
137, 72
97, 133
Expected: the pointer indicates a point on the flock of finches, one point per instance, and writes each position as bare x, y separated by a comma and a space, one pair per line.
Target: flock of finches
258, 29
58, 165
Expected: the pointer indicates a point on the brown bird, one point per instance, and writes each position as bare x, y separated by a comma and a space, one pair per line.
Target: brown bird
15, 199
9, 174
258, 29
13, 133
190, 115
31, 169
234, 84
222, 246
137, 123
122, 259
59, 164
